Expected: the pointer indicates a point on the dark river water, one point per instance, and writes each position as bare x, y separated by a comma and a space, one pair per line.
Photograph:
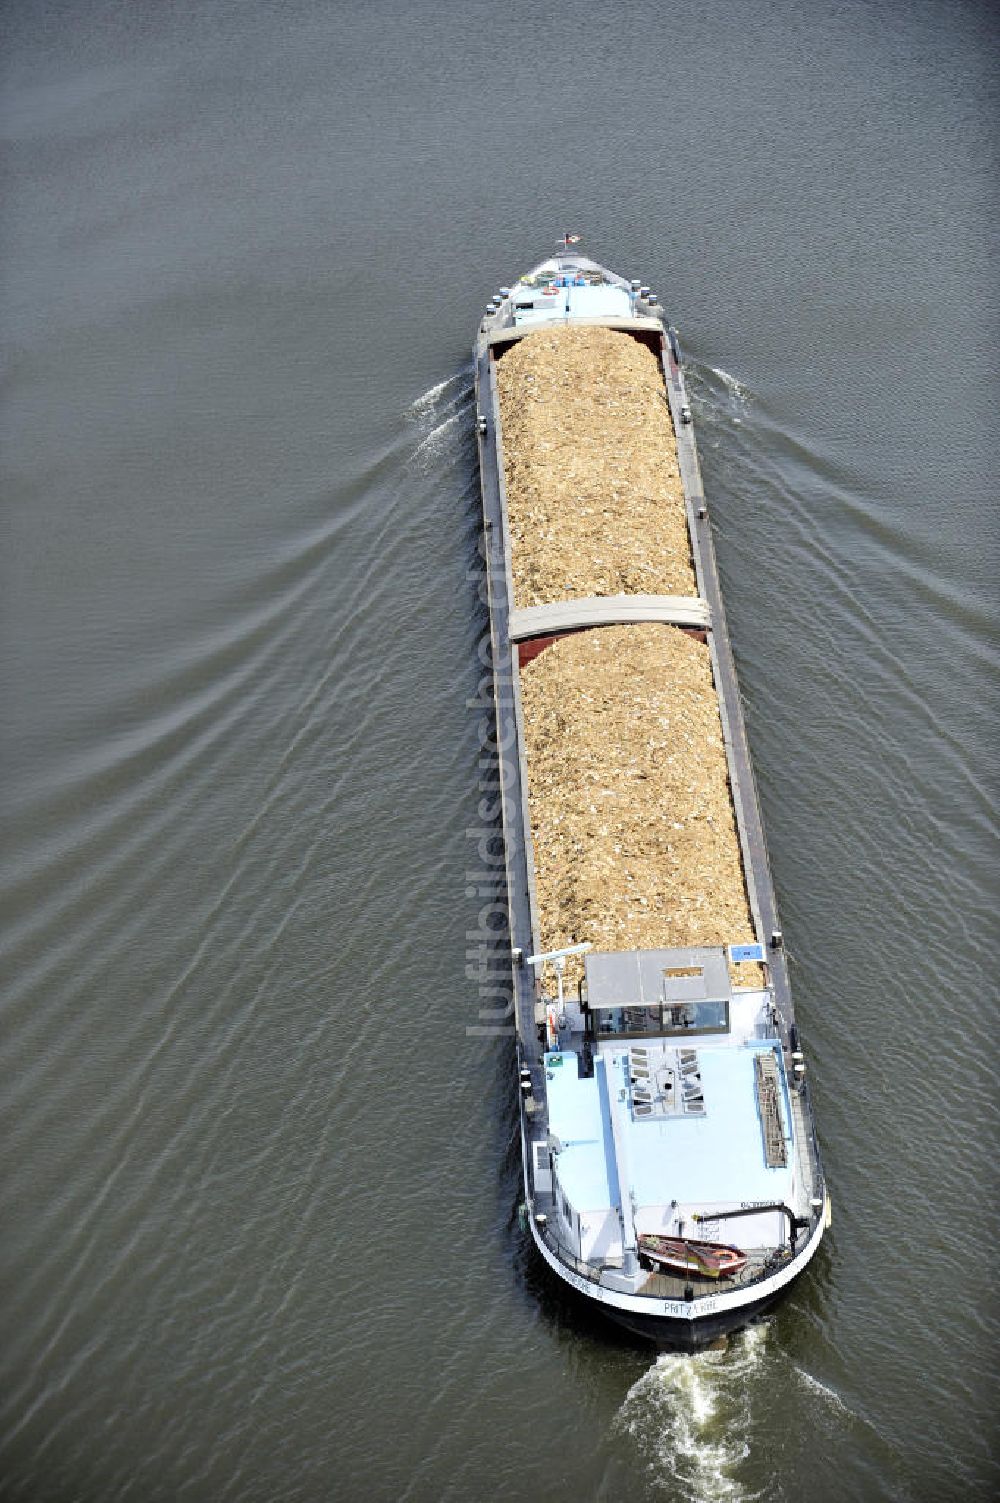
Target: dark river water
260, 1240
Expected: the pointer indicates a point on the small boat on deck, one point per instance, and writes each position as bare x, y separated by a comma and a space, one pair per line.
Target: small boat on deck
707, 1260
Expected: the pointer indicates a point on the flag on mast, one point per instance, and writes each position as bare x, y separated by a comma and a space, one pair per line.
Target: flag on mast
569, 239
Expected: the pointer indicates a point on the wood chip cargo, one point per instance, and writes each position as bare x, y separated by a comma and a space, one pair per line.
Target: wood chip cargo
631, 815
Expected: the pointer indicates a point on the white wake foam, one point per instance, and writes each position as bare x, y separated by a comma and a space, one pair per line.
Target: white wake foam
438, 442
826, 1393
442, 399
689, 1417
732, 384
429, 399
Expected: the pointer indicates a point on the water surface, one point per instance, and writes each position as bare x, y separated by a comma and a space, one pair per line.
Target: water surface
261, 1181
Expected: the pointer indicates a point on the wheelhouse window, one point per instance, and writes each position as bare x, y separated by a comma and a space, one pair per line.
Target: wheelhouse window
675, 1018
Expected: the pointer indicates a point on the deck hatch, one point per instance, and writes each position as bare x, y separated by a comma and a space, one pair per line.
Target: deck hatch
651, 978
659, 992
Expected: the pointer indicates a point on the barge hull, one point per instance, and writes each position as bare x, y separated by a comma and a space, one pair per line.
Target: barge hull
673, 1323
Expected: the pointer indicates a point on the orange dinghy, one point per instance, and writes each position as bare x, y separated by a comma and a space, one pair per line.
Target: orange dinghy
707, 1260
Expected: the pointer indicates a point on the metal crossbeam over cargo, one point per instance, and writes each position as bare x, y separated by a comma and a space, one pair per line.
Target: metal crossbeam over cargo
607, 610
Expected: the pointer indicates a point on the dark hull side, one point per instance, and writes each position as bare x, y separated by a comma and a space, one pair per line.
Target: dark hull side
688, 1335
593, 1317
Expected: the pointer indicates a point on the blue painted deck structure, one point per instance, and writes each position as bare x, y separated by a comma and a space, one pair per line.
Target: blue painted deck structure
715, 1159
570, 300
580, 1119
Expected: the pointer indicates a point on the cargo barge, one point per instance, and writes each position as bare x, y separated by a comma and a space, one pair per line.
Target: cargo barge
664, 1098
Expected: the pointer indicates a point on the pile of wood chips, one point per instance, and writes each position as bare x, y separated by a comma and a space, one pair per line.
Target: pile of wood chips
634, 833
594, 494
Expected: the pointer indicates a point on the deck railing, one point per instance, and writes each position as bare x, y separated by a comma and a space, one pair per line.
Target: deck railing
754, 1273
